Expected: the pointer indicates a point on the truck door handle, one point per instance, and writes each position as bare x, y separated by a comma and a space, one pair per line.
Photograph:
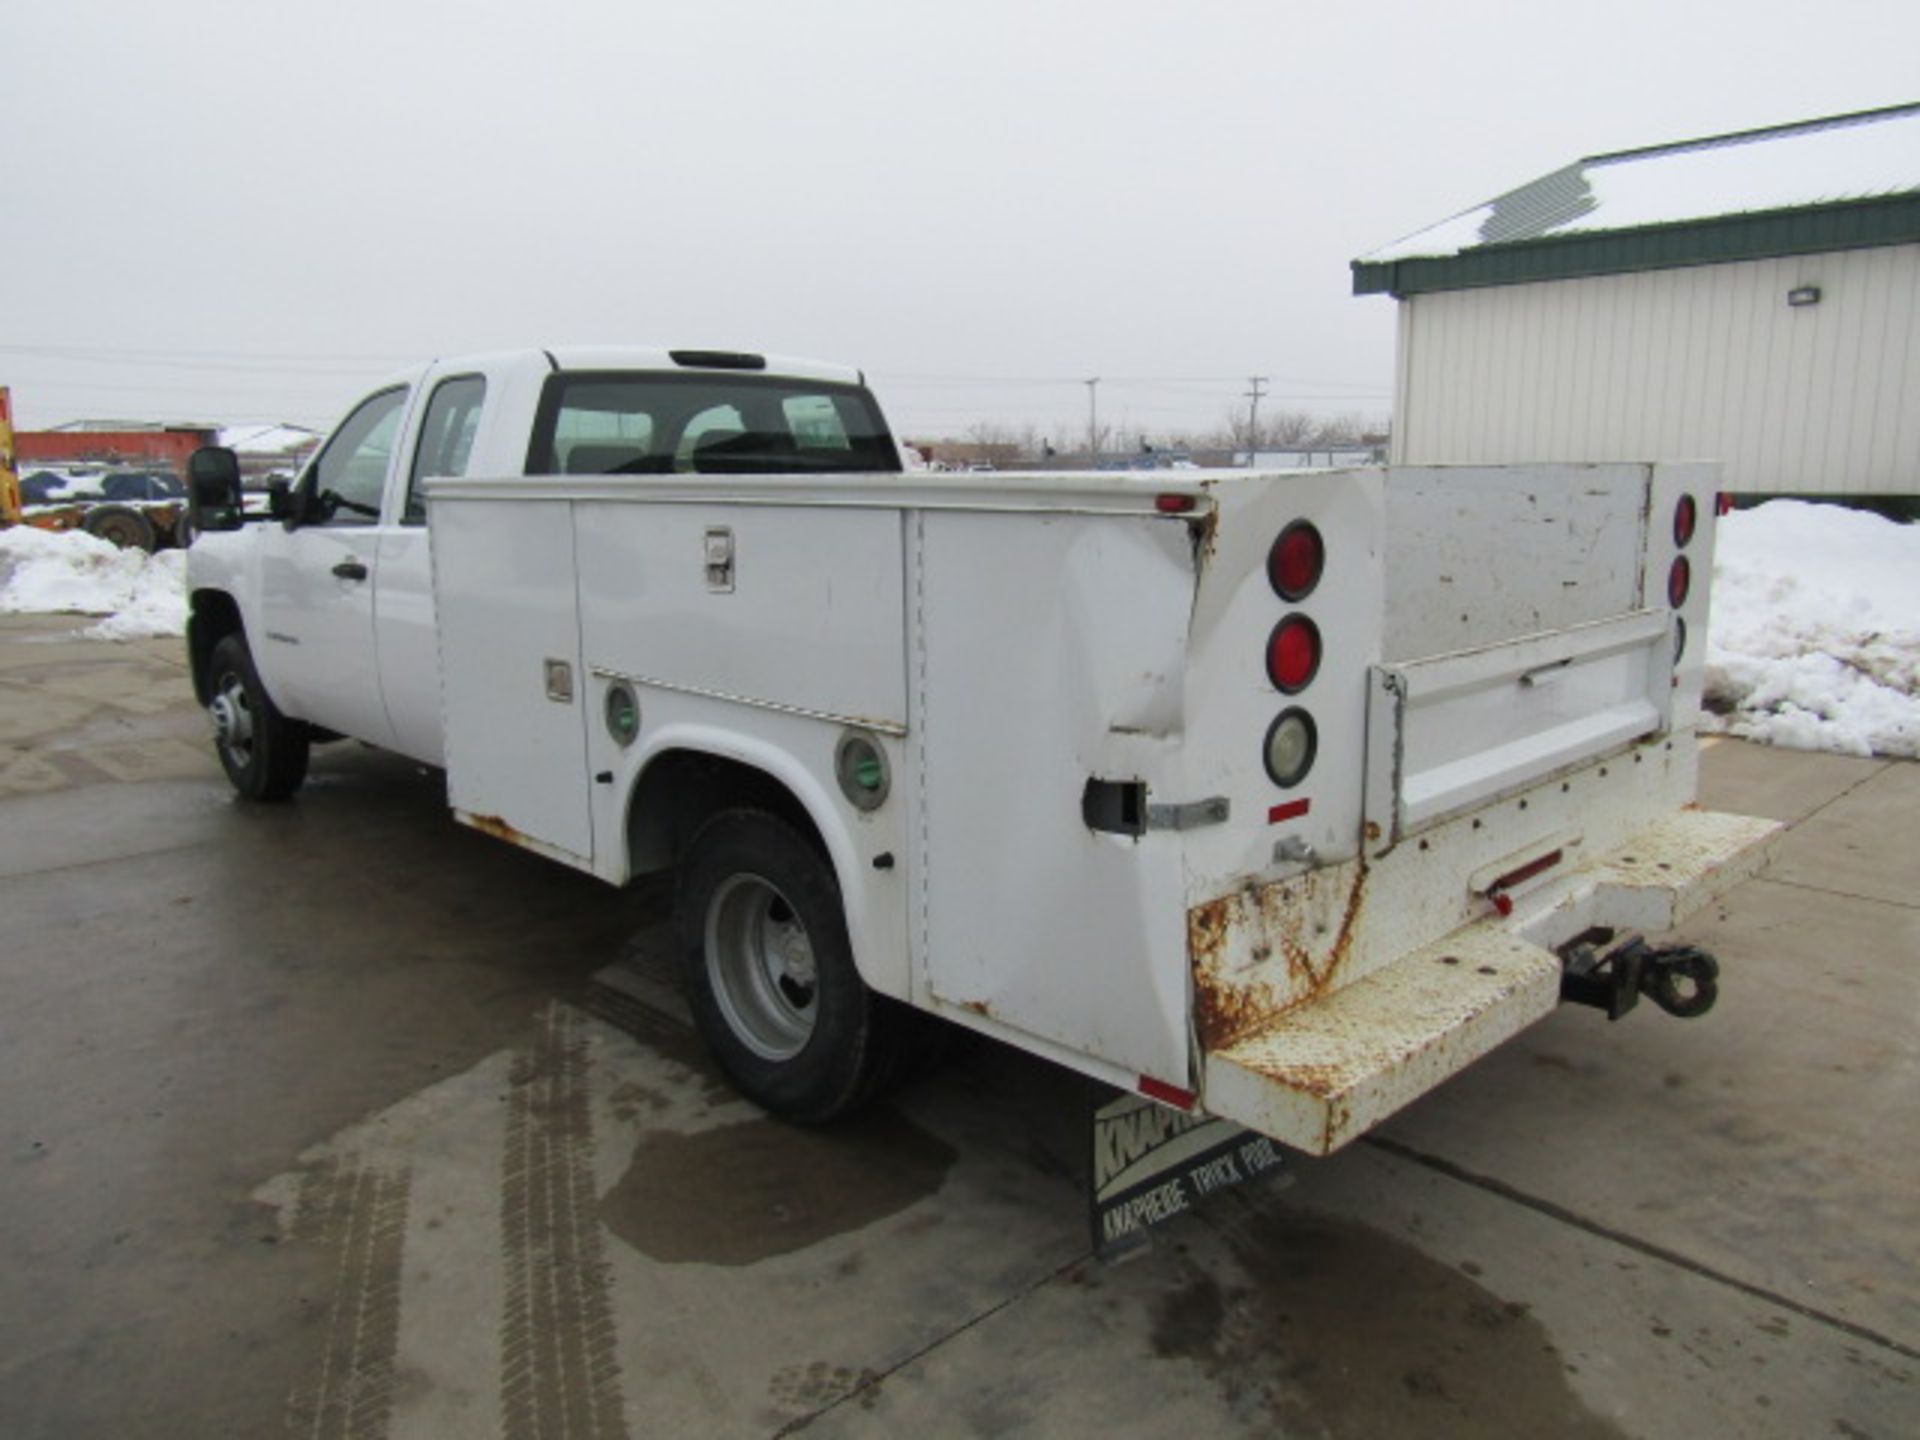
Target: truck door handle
350, 570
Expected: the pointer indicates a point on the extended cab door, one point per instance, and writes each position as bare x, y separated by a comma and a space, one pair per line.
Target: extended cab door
404, 630
318, 651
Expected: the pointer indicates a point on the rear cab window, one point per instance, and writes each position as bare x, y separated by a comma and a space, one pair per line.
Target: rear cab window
650, 423
446, 438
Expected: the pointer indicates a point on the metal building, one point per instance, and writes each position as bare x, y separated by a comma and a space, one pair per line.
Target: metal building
1750, 298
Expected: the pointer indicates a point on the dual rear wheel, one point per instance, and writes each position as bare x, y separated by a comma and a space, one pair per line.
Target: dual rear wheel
769, 971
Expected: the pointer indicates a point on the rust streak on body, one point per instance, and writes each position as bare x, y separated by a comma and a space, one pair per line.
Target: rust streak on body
500, 830
1227, 1010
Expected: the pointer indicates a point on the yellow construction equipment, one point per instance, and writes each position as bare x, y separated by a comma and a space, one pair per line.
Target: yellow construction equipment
9, 480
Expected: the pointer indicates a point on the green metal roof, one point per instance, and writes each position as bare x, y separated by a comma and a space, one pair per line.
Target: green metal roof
1834, 184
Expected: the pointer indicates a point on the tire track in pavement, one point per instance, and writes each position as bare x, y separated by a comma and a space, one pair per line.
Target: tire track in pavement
559, 1374
358, 1212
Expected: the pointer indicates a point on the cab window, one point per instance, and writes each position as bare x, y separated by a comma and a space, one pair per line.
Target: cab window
647, 423
446, 438
349, 477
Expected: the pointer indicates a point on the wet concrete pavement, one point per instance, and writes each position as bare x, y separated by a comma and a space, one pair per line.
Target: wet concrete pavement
338, 1118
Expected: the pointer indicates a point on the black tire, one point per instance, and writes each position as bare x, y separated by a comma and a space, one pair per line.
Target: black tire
263, 752
123, 525
770, 974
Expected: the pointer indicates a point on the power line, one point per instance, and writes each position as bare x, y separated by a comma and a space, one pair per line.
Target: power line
171, 356
880, 377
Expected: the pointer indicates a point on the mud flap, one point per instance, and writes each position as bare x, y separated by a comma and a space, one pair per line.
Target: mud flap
1150, 1162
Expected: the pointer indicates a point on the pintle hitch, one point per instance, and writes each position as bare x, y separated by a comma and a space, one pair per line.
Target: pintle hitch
1682, 980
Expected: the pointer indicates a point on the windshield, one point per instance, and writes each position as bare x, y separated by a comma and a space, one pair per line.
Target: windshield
664, 424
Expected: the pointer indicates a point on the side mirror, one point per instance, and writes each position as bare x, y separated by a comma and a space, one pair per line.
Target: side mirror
213, 489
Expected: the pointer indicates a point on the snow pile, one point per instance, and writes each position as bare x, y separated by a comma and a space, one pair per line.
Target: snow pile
73, 572
268, 439
1815, 636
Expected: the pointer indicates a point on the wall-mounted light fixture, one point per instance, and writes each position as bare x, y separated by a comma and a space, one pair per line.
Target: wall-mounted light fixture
1804, 295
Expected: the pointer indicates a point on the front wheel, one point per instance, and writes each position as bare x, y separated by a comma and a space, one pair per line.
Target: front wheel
770, 974
263, 752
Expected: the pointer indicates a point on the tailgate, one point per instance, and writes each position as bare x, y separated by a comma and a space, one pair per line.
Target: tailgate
1453, 732
1538, 618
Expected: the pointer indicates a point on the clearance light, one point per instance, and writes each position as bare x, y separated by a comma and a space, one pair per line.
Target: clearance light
1292, 740
860, 765
1296, 560
1685, 516
623, 713
1170, 504
1679, 582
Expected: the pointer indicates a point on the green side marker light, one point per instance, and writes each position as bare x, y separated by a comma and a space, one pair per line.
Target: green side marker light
623, 714
860, 765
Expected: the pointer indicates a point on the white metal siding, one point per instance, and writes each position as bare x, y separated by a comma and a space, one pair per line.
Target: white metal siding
1707, 362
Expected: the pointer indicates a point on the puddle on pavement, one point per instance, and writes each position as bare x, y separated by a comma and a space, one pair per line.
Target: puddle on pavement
1344, 1331
742, 1193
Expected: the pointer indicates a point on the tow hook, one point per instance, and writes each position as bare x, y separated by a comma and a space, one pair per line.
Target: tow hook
1682, 980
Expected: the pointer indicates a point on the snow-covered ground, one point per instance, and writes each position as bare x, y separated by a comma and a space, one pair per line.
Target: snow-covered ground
1815, 641
1815, 638
72, 572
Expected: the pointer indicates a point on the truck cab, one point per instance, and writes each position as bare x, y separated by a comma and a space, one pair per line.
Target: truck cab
332, 598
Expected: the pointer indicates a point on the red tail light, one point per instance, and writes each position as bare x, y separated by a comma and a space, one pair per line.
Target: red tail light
1679, 582
1685, 516
1296, 560
1293, 653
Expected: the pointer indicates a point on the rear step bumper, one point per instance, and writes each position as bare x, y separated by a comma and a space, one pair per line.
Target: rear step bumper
1327, 1071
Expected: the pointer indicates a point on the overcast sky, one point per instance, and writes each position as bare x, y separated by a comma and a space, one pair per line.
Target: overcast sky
243, 210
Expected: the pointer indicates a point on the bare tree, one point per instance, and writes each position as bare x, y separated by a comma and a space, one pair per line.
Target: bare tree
1289, 430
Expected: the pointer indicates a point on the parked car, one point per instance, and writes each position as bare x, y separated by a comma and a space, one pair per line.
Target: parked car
142, 485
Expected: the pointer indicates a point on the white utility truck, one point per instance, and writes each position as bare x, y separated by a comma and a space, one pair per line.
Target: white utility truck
1275, 796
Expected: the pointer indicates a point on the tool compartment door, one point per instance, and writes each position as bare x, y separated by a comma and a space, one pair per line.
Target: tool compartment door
1457, 731
511, 687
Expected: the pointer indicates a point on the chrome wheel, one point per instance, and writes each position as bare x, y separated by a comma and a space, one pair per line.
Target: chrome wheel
232, 713
760, 967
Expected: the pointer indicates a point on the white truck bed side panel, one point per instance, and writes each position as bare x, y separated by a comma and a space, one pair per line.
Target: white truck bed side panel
810, 618
516, 758
1051, 651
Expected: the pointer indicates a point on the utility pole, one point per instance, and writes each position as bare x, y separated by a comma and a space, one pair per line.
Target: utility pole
1256, 382
1093, 423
